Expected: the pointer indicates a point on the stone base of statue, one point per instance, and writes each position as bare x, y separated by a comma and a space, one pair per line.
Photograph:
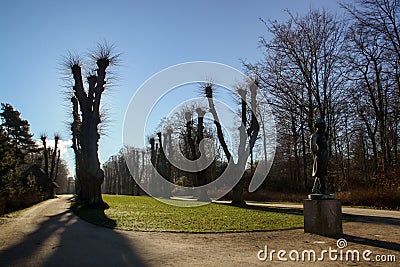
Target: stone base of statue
323, 217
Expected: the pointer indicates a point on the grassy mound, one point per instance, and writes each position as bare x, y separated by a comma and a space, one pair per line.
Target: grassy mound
147, 214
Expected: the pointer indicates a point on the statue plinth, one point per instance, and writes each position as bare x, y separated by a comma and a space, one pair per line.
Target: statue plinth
321, 196
323, 217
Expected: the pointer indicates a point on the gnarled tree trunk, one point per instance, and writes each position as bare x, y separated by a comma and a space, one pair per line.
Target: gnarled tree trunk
85, 127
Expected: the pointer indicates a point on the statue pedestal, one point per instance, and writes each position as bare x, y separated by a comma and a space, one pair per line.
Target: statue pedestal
323, 217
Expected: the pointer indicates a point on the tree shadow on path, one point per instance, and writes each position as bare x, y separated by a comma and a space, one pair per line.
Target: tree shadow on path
369, 219
373, 242
65, 240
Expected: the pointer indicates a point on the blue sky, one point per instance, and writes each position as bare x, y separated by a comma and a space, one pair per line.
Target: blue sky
152, 35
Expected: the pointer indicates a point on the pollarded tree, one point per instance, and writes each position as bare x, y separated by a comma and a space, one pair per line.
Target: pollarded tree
86, 99
51, 171
247, 136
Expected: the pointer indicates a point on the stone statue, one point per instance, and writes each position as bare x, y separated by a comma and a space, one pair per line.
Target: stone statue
319, 148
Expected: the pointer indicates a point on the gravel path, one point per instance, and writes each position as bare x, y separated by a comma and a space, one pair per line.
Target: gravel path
49, 234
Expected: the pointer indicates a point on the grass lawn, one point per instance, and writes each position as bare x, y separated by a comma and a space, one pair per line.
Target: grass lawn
147, 214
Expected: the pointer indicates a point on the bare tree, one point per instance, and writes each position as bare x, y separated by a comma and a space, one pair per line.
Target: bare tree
87, 117
51, 171
54, 164
381, 18
373, 60
247, 137
301, 75
43, 137
118, 178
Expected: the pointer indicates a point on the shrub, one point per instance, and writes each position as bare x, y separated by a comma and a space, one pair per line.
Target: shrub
388, 199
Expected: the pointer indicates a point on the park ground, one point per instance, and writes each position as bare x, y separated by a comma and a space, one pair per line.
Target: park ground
50, 234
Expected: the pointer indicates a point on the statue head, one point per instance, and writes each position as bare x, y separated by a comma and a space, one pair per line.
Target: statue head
320, 124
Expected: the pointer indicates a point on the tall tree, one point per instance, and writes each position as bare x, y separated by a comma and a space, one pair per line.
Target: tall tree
54, 163
8, 161
247, 137
302, 77
381, 18
86, 103
62, 177
17, 131
51, 171
373, 60
43, 137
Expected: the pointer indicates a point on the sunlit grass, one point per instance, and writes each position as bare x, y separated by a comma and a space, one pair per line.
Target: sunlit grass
147, 214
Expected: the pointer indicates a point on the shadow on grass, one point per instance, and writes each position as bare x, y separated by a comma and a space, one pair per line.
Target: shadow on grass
266, 209
346, 217
93, 215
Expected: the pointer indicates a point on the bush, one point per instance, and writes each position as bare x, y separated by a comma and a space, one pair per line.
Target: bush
378, 198
185, 182
388, 199
22, 199
2, 203
14, 196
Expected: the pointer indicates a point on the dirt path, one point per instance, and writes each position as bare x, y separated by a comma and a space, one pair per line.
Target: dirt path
51, 235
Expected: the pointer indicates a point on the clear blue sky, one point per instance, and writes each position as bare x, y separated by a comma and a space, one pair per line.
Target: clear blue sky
152, 35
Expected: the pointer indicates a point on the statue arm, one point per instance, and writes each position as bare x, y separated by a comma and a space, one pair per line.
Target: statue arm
313, 144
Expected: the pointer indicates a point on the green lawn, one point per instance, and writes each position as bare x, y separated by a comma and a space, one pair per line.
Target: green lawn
147, 214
